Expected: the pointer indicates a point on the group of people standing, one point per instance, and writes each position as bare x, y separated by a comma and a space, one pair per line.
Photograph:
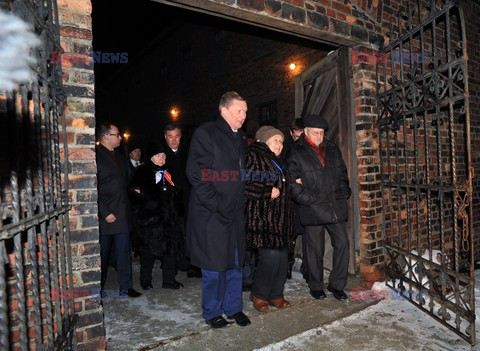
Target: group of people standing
142, 206
226, 219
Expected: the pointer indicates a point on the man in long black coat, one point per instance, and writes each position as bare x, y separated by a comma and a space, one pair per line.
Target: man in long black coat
321, 188
177, 154
113, 210
216, 220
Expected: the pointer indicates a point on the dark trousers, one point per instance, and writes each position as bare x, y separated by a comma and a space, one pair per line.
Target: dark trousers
249, 269
147, 261
271, 273
122, 258
222, 292
314, 244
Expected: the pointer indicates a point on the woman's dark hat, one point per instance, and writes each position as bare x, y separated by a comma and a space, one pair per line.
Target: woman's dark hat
154, 148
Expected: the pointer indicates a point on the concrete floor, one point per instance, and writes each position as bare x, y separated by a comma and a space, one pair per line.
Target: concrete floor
164, 319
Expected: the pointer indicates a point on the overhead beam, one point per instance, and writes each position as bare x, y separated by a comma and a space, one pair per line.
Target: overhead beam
260, 20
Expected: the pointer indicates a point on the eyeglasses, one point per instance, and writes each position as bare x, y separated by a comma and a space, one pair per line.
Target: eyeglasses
114, 134
317, 133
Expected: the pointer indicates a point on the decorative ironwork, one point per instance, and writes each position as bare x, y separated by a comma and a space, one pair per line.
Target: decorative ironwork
35, 259
426, 163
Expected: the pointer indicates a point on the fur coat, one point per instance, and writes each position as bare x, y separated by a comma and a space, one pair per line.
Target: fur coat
269, 222
157, 225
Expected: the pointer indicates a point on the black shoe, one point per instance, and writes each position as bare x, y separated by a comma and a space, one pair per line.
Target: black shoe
133, 293
194, 273
247, 288
217, 322
241, 319
172, 285
146, 286
318, 294
338, 294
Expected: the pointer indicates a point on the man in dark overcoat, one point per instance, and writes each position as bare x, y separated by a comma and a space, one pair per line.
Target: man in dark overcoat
113, 209
321, 188
216, 220
177, 154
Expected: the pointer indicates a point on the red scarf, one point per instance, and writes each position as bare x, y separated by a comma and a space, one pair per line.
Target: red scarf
320, 150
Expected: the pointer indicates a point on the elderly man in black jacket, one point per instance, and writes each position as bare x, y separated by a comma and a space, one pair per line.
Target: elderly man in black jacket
216, 220
321, 188
113, 211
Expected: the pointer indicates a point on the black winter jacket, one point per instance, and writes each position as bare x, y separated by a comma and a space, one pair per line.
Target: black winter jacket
323, 196
112, 191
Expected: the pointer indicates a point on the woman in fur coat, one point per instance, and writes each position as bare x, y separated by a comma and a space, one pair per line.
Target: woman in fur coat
152, 194
269, 217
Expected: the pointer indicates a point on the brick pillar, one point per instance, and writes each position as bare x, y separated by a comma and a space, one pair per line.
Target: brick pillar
78, 78
368, 169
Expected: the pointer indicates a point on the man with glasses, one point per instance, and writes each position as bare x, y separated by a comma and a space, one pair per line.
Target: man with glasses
321, 188
113, 209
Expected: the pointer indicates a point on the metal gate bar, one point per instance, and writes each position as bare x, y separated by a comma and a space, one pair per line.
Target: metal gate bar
36, 300
426, 164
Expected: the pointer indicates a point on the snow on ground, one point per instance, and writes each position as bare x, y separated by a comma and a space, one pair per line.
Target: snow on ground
163, 314
389, 325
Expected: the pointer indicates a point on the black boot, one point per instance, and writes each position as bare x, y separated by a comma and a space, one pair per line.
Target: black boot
146, 285
173, 284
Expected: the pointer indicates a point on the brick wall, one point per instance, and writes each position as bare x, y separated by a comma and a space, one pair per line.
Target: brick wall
78, 78
368, 167
472, 13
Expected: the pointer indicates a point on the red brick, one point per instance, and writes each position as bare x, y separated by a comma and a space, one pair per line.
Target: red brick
81, 153
82, 20
78, 5
341, 7
73, 32
300, 3
321, 9
15, 336
327, 3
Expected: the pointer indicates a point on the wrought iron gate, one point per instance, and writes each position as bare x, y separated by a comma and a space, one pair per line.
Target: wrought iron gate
426, 163
36, 304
